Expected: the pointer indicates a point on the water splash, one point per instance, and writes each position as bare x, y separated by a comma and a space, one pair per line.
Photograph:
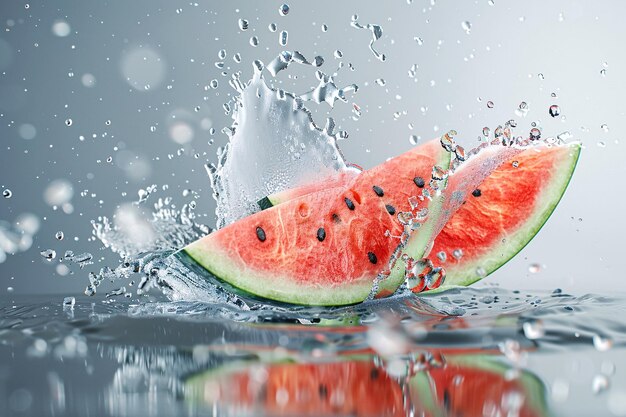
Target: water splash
274, 145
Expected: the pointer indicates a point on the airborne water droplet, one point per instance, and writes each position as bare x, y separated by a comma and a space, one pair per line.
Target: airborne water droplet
490, 104
554, 110
534, 268
48, 254
254, 41
243, 24
284, 10
59, 235
413, 139
467, 26
282, 38
68, 122
6, 193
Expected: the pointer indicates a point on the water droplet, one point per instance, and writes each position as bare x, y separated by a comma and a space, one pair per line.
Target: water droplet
59, 235
6, 193
605, 127
490, 104
599, 384
69, 302
535, 133
457, 253
602, 144
324, 28
554, 110
272, 27
419, 40
413, 139
282, 38
467, 26
221, 54
48, 254
283, 10
243, 24
603, 72
254, 41
602, 343
534, 268
533, 329
486, 131
68, 122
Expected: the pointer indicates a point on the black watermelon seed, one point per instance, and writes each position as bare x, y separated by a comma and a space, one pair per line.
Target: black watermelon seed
379, 191
419, 181
477, 192
390, 209
349, 203
323, 391
260, 233
321, 234
336, 218
372, 257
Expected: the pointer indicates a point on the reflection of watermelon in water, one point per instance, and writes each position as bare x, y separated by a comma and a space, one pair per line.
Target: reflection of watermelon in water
325, 247
465, 385
357, 389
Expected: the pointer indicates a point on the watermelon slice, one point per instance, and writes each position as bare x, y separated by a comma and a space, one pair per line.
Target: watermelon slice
323, 248
498, 219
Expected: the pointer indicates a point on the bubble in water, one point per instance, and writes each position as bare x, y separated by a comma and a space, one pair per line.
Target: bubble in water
467, 26
554, 110
69, 122
283, 10
490, 104
58, 192
243, 24
282, 38
534, 268
602, 343
61, 28
48, 254
533, 329
6, 193
254, 41
413, 139
59, 235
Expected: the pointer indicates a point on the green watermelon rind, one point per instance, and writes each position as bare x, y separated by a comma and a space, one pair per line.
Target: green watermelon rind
277, 288
517, 241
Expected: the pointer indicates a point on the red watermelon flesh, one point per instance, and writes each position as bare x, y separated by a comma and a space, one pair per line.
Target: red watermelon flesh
477, 235
355, 388
505, 213
477, 386
323, 248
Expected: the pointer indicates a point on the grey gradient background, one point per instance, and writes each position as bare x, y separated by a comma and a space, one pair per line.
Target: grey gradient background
510, 43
